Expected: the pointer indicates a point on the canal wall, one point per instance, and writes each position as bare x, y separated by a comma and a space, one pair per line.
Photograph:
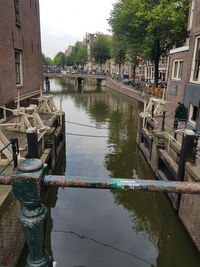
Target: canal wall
48, 148
162, 153
189, 205
126, 90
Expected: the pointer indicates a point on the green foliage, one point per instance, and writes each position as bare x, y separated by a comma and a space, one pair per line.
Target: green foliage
46, 60
49, 61
101, 49
150, 27
60, 59
69, 61
43, 59
118, 50
79, 55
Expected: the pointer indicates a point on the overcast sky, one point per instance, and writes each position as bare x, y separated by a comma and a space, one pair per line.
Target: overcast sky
63, 22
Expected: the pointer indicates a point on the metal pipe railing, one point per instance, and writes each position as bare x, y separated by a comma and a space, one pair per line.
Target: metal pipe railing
29, 179
123, 184
114, 183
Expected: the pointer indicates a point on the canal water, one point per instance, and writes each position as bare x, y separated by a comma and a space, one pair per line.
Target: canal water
105, 228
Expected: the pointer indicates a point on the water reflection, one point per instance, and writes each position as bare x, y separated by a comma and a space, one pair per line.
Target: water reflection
111, 228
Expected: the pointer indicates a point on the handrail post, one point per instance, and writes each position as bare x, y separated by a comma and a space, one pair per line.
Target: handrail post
32, 140
26, 183
163, 121
15, 150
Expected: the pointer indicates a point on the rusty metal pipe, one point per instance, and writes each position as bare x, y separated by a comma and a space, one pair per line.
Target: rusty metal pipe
123, 184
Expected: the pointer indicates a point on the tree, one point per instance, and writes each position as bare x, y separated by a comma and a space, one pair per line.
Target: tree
49, 61
60, 59
82, 55
69, 60
79, 54
118, 51
44, 59
152, 27
101, 49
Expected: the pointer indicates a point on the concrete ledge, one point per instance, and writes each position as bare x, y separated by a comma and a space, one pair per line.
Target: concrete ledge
169, 162
194, 170
147, 134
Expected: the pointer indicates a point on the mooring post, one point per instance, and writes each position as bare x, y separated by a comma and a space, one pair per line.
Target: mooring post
186, 152
195, 149
32, 140
152, 111
26, 183
175, 127
47, 83
15, 150
163, 121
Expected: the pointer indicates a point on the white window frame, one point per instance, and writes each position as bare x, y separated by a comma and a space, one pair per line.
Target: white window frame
191, 15
193, 63
178, 75
18, 68
191, 111
163, 60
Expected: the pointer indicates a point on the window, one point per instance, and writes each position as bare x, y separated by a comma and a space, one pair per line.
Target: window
18, 67
193, 114
163, 60
180, 69
17, 13
196, 62
162, 75
177, 69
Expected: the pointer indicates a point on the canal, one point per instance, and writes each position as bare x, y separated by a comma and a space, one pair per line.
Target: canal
105, 228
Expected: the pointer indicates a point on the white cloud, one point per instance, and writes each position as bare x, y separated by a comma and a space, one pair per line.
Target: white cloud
64, 22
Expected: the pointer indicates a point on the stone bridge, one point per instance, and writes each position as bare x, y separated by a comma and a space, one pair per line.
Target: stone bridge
81, 79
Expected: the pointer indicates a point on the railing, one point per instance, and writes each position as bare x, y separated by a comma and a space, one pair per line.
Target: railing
170, 140
31, 176
15, 152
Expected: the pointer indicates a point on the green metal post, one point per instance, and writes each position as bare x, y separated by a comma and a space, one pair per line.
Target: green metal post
26, 182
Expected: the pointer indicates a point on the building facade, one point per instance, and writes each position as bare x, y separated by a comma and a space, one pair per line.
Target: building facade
20, 49
184, 77
150, 70
68, 51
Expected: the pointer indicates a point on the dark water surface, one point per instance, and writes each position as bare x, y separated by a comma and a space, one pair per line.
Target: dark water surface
104, 228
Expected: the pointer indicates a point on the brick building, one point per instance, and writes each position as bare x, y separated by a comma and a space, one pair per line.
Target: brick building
20, 49
150, 70
184, 75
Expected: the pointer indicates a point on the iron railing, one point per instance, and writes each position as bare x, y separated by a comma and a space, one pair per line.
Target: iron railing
15, 152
